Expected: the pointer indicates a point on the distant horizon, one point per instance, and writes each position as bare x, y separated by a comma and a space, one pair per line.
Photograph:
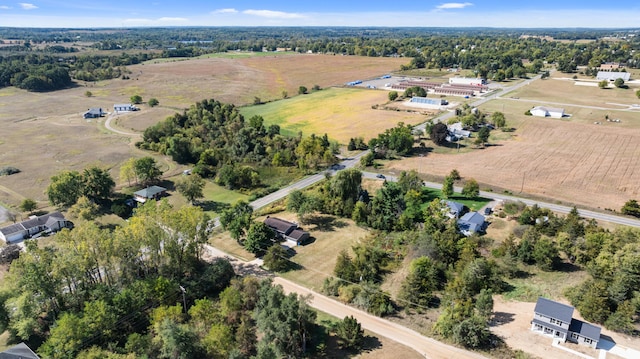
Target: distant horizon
542, 14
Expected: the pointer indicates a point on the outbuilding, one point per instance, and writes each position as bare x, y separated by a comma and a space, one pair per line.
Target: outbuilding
542, 111
124, 107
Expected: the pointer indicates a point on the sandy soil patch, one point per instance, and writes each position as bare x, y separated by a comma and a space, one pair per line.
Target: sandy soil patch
512, 322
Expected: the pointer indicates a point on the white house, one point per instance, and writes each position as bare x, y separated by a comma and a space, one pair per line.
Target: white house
542, 111
124, 107
556, 320
51, 222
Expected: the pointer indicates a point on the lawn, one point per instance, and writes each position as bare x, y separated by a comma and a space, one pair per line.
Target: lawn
340, 112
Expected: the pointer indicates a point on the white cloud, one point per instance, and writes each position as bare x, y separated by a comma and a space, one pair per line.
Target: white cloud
4, 7
273, 14
172, 19
454, 5
224, 11
27, 6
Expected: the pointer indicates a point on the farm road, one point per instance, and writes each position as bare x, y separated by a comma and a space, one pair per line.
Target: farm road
428, 347
107, 124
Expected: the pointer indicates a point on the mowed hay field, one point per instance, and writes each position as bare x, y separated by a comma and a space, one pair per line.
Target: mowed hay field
44, 133
571, 160
342, 113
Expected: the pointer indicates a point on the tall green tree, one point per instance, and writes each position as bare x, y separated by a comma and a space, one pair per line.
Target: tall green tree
237, 219
350, 332
28, 205
147, 170
471, 188
418, 287
65, 188
447, 187
191, 187
259, 238
97, 184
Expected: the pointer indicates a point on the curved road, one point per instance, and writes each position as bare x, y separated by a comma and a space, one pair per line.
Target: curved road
107, 124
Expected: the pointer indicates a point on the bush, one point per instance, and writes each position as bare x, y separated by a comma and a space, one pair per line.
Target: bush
528, 113
8, 170
153, 102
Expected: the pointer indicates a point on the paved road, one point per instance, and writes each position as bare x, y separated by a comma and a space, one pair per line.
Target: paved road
305, 182
529, 202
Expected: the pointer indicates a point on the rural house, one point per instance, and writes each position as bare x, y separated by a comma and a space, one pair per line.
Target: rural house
471, 222
33, 226
124, 107
542, 111
93, 113
455, 209
20, 351
555, 320
286, 230
153, 192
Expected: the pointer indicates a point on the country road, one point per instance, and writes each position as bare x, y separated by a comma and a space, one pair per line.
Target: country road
426, 346
627, 221
107, 124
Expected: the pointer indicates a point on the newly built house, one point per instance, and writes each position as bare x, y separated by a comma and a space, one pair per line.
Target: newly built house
556, 320
33, 226
286, 230
542, 111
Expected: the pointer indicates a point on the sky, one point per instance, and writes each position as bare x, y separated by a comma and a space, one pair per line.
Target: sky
422, 13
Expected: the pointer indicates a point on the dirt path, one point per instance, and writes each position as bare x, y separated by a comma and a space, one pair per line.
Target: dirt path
428, 347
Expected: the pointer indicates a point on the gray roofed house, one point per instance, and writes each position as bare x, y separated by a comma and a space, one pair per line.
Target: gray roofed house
20, 351
51, 222
153, 192
556, 320
471, 222
455, 209
286, 230
94, 112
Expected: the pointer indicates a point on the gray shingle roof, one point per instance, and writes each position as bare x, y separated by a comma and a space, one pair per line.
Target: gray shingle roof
280, 225
585, 329
20, 351
150, 192
553, 309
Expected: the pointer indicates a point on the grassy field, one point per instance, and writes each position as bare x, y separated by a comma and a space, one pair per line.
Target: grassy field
341, 113
44, 133
566, 160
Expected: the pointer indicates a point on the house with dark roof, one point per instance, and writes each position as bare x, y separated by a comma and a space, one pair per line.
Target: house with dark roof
20, 351
48, 223
286, 230
556, 320
455, 209
471, 222
153, 192
93, 113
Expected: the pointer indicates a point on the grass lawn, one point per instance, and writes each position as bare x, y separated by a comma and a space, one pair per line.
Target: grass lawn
340, 112
535, 283
473, 204
330, 235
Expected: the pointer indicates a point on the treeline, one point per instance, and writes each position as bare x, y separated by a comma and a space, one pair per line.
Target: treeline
33, 73
216, 138
38, 72
144, 290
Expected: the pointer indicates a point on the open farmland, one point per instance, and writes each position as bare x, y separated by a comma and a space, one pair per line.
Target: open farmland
573, 160
340, 112
44, 133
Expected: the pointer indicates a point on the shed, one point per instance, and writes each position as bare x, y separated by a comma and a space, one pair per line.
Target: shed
124, 107
542, 111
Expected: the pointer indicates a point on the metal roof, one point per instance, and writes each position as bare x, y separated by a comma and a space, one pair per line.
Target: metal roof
553, 309
149, 192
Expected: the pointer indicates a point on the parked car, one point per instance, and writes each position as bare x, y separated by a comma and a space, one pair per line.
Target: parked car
380, 175
488, 211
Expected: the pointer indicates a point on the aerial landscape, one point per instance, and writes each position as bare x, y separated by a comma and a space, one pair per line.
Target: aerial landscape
330, 180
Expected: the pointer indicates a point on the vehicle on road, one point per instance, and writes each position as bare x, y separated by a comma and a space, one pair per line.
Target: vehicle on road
380, 175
